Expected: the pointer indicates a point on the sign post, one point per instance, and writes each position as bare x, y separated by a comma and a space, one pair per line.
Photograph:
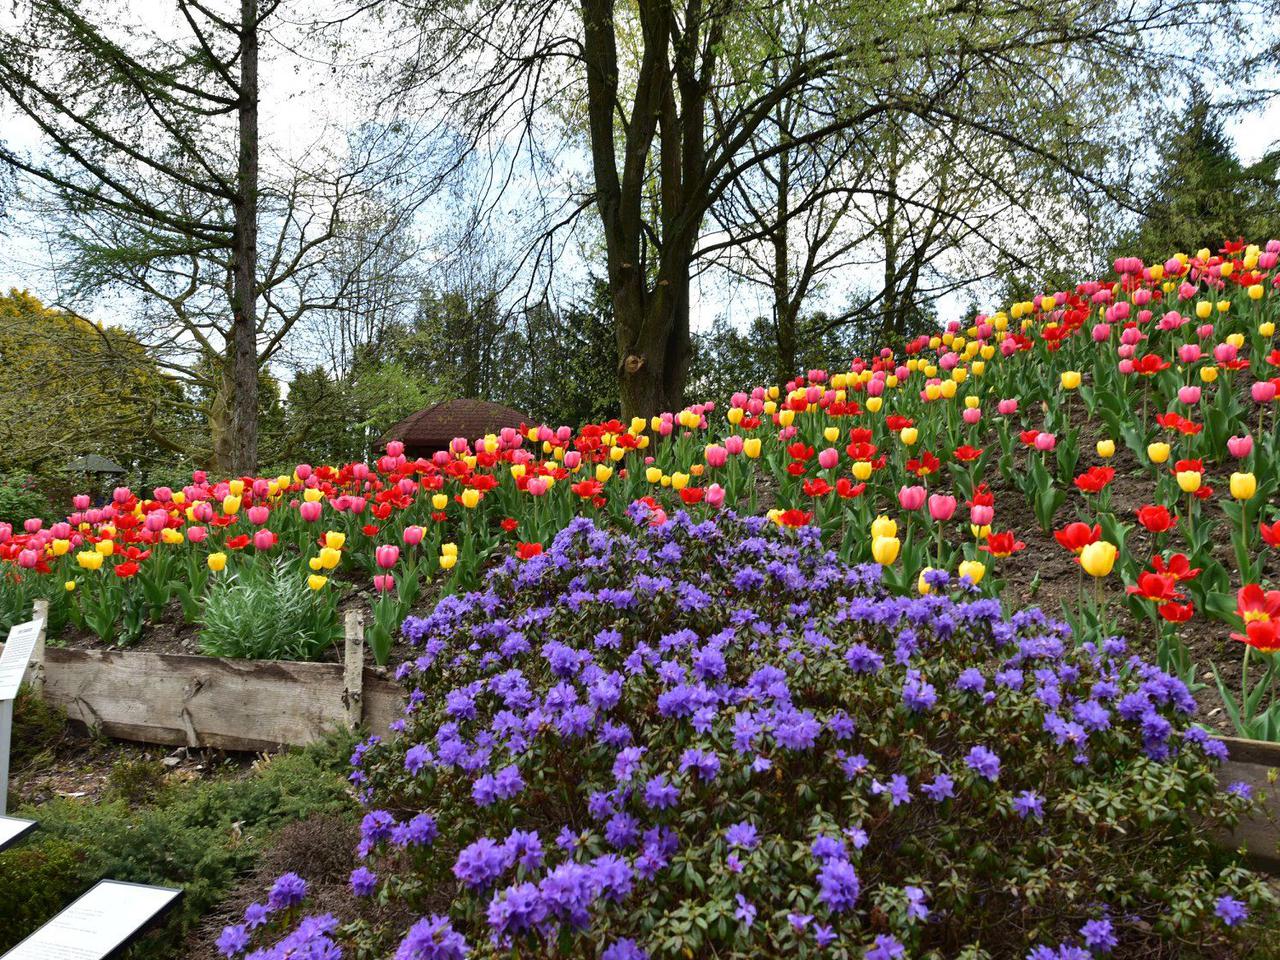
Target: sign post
13, 664
99, 925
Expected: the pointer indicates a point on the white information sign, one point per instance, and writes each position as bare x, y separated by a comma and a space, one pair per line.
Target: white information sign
13, 829
17, 651
96, 925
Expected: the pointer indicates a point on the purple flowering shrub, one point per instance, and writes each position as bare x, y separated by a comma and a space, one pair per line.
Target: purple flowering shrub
714, 739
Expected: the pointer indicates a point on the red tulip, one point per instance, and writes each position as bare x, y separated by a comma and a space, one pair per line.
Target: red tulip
1156, 518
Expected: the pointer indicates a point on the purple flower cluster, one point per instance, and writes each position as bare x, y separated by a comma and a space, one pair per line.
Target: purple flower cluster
722, 711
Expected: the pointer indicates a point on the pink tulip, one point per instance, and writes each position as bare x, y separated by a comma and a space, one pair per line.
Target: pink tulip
258, 514
197, 534
1190, 352
733, 444
121, 495
1205, 331
6, 532
32, 524
572, 459
875, 387
81, 501
1225, 352
263, 539
1126, 351
1131, 336
60, 530
1268, 260
717, 455
828, 458
459, 445
395, 448
941, 507
303, 470
911, 498
1101, 332
156, 521
163, 494
971, 415
28, 559
1263, 391
95, 516
359, 472
1240, 447
1125, 366
407, 485
309, 510
1045, 442
537, 486
384, 582
1189, 395
981, 514
413, 535
386, 555
715, 496
1007, 407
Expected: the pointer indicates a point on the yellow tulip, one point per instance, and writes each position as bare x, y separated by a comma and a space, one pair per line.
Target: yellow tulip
448, 561
603, 473
1158, 452
862, 469
1255, 291
1236, 340
1098, 558
1188, 481
312, 495
909, 435
1266, 329
972, 403
734, 416
975, 570
653, 474
1106, 449
1070, 379
980, 532
751, 447
236, 487
335, 540
69, 586
1204, 309
874, 404
89, 559
932, 391
470, 498
884, 526
330, 558
105, 547
786, 417
616, 453
439, 501
60, 547
885, 550
1224, 306
831, 434
922, 585
948, 387
316, 582
449, 549
679, 481
1243, 486
314, 563
216, 561
230, 504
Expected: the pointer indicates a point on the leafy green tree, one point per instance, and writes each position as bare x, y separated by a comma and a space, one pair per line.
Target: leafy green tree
1201, 192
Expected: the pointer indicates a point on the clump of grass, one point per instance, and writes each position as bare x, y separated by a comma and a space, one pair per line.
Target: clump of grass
268, 613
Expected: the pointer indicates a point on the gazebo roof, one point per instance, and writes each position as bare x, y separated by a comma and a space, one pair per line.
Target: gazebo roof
436, 425
94, 463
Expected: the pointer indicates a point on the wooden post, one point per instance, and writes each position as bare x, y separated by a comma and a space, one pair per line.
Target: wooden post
353, 669
35, 666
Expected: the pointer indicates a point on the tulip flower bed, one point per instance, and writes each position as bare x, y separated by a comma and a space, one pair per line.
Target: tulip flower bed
1113, 445
719, 738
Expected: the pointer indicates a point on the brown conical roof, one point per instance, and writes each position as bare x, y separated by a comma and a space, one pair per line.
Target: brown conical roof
435, 426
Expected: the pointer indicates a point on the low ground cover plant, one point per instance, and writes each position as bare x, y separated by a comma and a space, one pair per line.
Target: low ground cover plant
713, 738
202, 836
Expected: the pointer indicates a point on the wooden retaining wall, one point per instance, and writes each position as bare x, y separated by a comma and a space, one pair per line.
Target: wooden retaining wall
264, 705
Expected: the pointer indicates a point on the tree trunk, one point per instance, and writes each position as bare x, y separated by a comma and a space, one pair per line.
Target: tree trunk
239, 449
784, 318
654, 349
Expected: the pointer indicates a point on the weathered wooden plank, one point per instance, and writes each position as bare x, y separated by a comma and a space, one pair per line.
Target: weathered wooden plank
196, 701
